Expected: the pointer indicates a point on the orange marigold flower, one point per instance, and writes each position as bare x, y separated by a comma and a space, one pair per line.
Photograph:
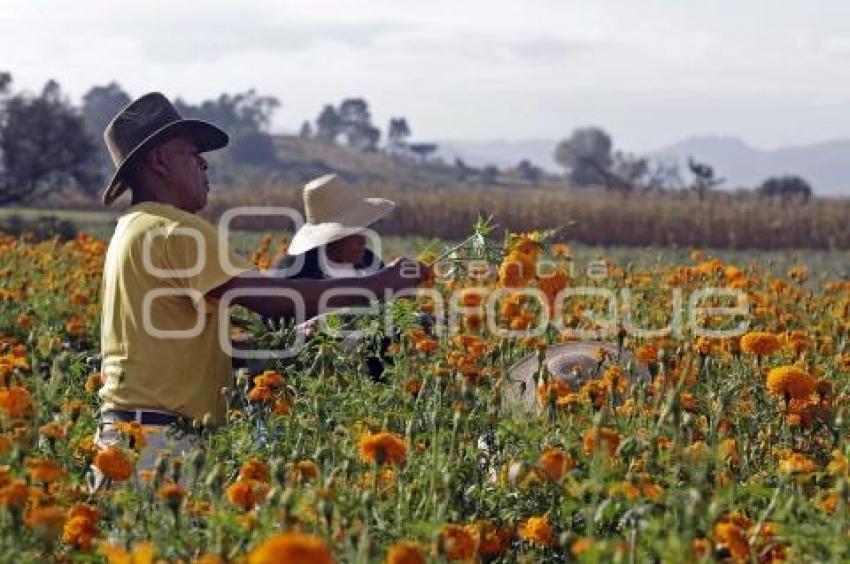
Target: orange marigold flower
647, 354
15, 401
94, 382
537, 531
581, 546
303, 470
172, 494
556, 463
790, 382
733, 537
48, 518
759, 343
413, 386
254, 469
79, 531
605, 437
382, 447
797, 464
114, 463
406, 553
292, 548
456, 543
261, 394
426, 346
492, 539
246, 494
269, 379
134, 431
76, 326
43, 469
14, 494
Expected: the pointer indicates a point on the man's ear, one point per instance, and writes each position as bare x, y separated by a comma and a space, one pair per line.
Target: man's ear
157, 160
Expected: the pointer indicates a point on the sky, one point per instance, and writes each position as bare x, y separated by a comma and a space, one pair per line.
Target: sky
650, 72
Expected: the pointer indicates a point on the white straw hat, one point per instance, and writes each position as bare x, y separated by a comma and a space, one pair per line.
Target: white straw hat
333, 210
574, 363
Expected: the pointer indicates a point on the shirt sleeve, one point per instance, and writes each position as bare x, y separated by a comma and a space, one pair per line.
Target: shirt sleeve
198, 261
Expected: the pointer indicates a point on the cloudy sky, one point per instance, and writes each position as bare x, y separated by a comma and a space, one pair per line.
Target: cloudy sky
773, 72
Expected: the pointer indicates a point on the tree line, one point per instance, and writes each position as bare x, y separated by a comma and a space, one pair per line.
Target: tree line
48, 145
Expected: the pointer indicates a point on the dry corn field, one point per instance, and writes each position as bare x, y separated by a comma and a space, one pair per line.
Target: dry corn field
723, 220
733, 448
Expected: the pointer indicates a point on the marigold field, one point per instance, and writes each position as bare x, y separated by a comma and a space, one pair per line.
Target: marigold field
734, 450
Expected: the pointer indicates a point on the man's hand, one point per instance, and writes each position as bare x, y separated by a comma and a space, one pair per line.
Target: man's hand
403, 273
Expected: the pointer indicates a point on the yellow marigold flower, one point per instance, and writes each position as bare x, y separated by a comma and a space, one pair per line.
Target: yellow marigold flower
537, 531
382, 448
555, 463
456, 543
254, 469
134, 431
142, 553
405, 553
43, 469
734, 538
797, 464
759, 343
790, 382
293, 548
114, 463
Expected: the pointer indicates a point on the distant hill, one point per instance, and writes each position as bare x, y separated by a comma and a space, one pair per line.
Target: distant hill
502, 153
826, 165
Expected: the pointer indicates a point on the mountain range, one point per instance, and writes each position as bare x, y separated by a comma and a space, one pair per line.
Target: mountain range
825, 165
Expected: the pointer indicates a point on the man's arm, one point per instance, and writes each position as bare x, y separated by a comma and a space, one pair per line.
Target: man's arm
401, 274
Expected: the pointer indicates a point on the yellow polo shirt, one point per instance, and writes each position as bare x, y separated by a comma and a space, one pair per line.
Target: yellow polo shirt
159, 335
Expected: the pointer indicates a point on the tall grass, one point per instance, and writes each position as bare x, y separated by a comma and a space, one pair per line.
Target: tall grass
728, 221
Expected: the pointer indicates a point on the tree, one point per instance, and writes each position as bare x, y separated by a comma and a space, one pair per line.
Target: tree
786, 187
585, 155
704, 179
328, 124
528, 171
100, 105
44, 145
246, 117
398, 131
357, 124
306, 131
423, 150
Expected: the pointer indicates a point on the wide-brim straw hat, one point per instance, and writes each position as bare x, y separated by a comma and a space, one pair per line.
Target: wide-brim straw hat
333, 210
144, 123
574, 363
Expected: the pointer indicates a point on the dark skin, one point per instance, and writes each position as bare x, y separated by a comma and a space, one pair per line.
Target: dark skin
175, 172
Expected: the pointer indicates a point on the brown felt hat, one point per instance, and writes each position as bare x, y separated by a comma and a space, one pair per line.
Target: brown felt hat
144, 123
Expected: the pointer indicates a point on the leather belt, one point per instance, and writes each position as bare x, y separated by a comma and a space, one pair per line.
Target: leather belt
143, 417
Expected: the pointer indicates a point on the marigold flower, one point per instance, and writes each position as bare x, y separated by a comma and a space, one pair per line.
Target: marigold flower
733, 537
135, 432
292, 548
537, 531
46, 518
114, 463
269, 379
172, 494
261, 394
759, 343
43, 469
556, 463
456, 543
582, 545
15, 401
797, 464
254, 469
76, 326
141, 554
382, 448
790, 382
605, 438
405, 553
303, 470
413, 386
86, 510
79, 531
14, 494
246, 494
94, 382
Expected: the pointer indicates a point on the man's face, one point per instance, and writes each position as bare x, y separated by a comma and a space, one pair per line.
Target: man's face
186, 173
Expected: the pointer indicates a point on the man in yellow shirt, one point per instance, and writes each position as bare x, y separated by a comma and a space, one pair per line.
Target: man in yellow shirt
163, 329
